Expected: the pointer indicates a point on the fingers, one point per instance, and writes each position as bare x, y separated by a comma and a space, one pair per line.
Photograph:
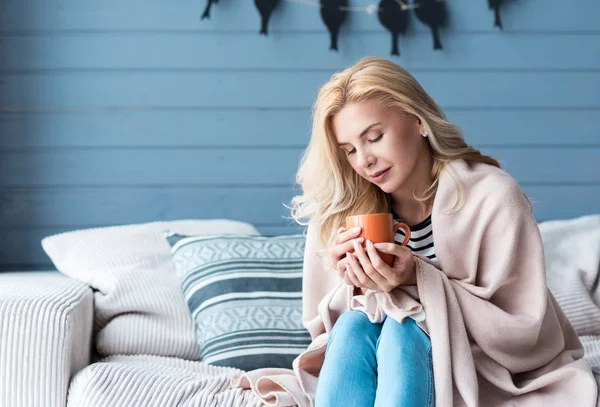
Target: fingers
341, 265
366, 273
392, 275
340, 268
350, 277
403, 253
386, 247
339, 251
345, 235
383, 270
358, 274
342, 271
344, 243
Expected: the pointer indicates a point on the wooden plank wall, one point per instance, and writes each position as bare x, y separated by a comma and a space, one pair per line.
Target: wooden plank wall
118, 112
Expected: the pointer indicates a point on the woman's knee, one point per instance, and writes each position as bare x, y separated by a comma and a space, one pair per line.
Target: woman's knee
355, 326
405, 336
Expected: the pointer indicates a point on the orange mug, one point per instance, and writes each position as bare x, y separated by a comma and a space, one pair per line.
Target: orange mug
378, 228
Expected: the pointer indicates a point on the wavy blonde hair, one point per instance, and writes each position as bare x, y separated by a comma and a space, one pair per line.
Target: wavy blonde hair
332, 190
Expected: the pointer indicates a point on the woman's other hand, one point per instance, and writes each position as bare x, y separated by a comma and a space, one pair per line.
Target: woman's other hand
344, 243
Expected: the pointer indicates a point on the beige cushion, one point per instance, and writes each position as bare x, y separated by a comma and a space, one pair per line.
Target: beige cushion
139, 307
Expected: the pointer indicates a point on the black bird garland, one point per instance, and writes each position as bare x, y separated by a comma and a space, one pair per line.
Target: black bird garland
393, 16
495, 5
265, 8
209, 4
432, 13
333, 13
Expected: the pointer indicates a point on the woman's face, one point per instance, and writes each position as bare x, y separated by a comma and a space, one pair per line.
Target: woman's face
376, 138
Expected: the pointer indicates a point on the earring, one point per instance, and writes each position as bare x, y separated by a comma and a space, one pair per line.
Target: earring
424, 133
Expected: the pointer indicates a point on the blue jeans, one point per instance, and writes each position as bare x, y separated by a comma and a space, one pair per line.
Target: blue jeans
366, 364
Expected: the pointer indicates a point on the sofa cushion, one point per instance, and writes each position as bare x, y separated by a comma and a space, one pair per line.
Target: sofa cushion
138, 305
156, 381
572, 255
245, 295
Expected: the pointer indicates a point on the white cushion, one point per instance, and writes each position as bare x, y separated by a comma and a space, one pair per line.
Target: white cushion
139, 307
155, 381
572, 253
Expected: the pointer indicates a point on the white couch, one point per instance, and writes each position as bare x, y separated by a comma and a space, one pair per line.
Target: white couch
47, 356
49, 336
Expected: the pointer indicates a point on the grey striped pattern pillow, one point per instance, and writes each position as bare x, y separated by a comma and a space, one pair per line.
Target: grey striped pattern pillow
245, 296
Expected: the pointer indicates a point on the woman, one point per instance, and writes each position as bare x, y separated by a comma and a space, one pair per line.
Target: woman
463, 316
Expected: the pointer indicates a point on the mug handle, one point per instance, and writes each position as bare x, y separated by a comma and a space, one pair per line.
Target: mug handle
406, 232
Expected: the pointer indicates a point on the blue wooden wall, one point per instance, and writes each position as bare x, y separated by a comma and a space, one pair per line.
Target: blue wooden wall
117, 112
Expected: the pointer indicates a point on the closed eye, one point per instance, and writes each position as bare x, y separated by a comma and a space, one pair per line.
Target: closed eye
375, 140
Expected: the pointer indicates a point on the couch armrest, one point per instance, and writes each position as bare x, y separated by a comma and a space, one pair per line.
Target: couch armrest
46, 324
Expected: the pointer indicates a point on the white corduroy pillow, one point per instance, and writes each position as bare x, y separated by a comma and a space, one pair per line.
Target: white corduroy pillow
138, 304
572, 254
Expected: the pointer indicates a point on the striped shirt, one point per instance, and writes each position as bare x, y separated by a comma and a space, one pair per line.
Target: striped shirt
421, 238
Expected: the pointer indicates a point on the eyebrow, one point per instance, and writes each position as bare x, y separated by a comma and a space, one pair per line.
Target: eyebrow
365, 131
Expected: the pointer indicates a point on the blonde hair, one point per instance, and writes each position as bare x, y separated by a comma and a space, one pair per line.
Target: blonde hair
332, 190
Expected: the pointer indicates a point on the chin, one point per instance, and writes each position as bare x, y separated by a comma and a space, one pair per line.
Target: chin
387, 187
390, 186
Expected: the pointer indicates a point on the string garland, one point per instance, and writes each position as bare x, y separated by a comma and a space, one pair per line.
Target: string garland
392, 14
370, 9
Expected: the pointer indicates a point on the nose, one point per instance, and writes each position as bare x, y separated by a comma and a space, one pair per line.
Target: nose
364, 158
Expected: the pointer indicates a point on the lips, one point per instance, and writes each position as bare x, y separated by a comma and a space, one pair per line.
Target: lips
379, 173
381, 177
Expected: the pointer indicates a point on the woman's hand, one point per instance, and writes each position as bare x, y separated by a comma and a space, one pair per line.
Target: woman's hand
367, 270
344, 243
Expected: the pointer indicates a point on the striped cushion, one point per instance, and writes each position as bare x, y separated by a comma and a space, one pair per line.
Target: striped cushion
245, 296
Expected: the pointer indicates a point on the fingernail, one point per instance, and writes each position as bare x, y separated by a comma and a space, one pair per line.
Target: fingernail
356, 244
369, 243
359, 239
379, 245
355, 230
